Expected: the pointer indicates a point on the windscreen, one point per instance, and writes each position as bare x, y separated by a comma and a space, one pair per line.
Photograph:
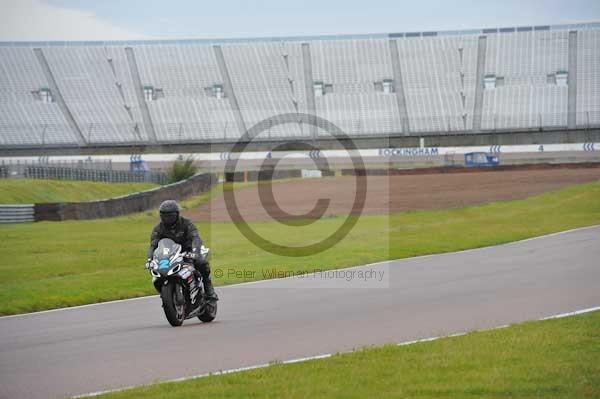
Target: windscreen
166, 248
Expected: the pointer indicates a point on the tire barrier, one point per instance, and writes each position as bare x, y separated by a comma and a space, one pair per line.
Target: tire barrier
17, 213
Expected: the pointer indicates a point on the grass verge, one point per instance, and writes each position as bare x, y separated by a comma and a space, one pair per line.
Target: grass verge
543, 359
28, 191
78, 262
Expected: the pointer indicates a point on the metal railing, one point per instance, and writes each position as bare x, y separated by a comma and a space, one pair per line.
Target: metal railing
108, 176
98, 164
72, 171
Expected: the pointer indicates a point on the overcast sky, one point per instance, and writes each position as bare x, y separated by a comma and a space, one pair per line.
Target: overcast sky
135, 19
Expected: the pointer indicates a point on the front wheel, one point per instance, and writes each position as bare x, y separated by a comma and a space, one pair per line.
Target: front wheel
210, 312
174, 308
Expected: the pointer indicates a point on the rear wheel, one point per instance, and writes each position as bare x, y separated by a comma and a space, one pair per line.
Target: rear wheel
174, 309
210, 312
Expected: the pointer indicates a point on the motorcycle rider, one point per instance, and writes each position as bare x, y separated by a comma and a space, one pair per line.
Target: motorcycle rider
183, 232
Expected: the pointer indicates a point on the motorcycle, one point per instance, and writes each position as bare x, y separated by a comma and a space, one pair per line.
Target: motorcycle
180, 284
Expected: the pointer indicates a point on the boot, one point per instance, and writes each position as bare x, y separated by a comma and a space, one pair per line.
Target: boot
209, 290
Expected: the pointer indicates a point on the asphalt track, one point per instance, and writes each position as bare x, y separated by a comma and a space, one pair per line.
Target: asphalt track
118, 344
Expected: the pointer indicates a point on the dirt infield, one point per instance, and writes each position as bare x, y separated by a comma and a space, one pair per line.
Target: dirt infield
394, 193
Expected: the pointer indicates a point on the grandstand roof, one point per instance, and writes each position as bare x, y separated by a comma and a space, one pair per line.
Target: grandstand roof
483, 31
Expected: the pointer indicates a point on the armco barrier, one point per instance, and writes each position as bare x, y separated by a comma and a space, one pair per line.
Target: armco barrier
17, 213
137, 202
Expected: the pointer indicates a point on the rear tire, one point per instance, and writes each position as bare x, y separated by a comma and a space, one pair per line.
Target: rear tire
175, 313
210, 312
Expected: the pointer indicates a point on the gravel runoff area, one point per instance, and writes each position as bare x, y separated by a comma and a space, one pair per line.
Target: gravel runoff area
386, 194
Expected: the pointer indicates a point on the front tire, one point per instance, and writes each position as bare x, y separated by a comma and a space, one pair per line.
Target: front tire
175, 313
210, 312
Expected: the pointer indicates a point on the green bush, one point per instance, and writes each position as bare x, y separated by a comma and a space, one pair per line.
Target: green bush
182, 169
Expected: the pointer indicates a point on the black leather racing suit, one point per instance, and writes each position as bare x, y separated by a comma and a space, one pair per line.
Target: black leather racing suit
184, 233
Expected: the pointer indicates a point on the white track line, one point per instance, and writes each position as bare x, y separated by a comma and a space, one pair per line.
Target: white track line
283, 278
326, 355
77, 307
560, 316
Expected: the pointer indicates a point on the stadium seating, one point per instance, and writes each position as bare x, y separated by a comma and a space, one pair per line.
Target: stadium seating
352, 68
98, 94
368, 85
24, 119
524, 60
262, 84
185, 112
437, 79
588, 78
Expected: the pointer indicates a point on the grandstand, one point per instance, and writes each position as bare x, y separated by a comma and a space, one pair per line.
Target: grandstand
103, 94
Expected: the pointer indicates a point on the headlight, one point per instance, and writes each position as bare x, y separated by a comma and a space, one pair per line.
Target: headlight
154, 273
174, 270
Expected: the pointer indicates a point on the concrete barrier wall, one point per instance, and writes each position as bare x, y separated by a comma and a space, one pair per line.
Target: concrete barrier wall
546, 136
462, 169
265, 174
137, 202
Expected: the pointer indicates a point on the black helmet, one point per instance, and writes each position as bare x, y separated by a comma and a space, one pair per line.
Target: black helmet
169, 212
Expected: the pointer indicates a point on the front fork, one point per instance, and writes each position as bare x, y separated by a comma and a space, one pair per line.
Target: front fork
179, 296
